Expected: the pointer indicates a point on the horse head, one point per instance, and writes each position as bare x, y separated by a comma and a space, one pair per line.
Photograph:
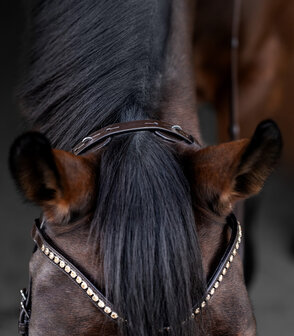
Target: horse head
123, 214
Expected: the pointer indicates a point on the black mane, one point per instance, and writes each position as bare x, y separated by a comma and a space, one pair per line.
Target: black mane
89, 61
93, 63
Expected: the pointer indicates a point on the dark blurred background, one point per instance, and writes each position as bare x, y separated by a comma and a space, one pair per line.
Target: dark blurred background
272, 289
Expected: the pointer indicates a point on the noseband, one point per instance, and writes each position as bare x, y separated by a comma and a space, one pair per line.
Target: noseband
60, 260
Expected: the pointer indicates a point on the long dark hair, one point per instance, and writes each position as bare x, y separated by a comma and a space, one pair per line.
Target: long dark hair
144, 219
90, 64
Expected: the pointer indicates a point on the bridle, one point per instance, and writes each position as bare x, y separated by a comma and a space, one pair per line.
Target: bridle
94, 142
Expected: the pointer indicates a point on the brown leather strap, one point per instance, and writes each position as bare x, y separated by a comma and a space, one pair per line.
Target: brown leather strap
102, 137
58, 258
234, 127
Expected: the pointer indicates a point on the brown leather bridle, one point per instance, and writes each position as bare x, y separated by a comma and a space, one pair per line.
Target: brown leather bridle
94, 142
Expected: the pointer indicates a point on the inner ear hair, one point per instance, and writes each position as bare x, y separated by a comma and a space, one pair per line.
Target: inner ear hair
33, 168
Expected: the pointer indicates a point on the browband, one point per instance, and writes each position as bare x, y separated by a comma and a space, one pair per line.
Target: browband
59, 259
62, 262
103, 136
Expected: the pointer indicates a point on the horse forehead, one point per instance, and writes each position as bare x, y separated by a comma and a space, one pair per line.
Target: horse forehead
40, 269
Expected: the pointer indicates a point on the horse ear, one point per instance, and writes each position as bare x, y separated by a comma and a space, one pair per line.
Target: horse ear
49, 178
235, 170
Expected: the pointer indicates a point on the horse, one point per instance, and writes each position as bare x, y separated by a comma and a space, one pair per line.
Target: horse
264, 54
137, 235
265, 64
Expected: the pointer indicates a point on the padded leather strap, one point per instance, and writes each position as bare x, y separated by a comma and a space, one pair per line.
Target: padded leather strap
97, 140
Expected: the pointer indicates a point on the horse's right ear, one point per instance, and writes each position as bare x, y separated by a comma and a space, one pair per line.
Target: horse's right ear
58, 181
223, 174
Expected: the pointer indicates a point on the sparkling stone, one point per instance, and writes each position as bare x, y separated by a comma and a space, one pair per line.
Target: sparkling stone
114, 315
95, 298
78, 279
107, 310
43, 248
73, 274
228, 264
234, 252
216, 285
51, 255
62, 264
237, 246
84, 285
220, 278
231, 258
212, 291
197, 311
101, 304
203, 304
46, 251
239, 240
89, 292
56, 260
208, 297
224, 272
67, 269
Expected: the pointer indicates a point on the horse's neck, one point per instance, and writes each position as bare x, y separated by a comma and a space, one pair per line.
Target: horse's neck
179, 94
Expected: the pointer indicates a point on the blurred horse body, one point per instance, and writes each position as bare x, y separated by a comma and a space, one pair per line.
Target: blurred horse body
265, 64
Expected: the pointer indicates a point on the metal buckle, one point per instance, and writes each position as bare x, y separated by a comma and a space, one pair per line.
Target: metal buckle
23, 293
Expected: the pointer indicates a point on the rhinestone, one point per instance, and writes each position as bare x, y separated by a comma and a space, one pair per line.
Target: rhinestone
107, 310
67, 269
220, 278
208, 297
78, 279
216, 285
56, 260
101, 304
84, 285
224, 272
239, 240
89, 292
43, 248
203, 304
234, 252
73, 274
212, 291
228, 264
237, 246
231, 258
51, 255
114, 315
46, 251
62, 264
197, 311
95, 298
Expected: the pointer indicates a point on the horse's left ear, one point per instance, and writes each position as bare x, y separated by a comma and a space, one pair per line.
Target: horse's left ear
59, 182
235, 170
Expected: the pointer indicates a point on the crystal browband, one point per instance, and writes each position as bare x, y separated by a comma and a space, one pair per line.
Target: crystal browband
96, 297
